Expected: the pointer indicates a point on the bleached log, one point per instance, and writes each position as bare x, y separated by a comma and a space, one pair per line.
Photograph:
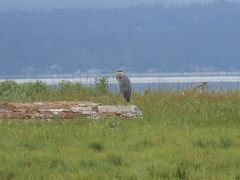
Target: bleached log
64, 109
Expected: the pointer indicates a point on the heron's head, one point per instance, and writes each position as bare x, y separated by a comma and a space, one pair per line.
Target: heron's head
119, 75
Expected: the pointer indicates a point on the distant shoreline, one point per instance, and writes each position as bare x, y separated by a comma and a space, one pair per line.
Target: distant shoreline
136, 78
130, 74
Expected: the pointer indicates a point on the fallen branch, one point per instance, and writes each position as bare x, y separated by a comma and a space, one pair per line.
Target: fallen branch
64, 109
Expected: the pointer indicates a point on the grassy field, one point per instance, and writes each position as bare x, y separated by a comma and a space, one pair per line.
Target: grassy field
183, 135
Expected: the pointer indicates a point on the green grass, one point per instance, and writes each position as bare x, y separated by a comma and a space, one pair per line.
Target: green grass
183, 135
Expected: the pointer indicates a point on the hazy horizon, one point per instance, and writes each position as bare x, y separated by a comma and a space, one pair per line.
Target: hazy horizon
59, 4
147, 38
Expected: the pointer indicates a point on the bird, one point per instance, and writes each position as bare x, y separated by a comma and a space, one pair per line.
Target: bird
125, 86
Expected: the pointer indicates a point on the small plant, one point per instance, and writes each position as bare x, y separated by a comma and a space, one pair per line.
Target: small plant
88, 163
159, 172
34, 91
204, 143
115, 160
7, 86
237, 177
142, 144
114, 125
96, 146
182, 170
9, 174
225, 143
59, 164
102, 85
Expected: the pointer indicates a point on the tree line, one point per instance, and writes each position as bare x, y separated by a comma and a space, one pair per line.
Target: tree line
145, 38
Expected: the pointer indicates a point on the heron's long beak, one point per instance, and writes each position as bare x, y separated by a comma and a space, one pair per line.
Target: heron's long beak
115, 71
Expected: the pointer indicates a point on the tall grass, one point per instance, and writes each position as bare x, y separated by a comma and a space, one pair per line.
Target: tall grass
183, 135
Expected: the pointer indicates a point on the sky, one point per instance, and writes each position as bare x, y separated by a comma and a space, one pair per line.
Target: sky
6, 5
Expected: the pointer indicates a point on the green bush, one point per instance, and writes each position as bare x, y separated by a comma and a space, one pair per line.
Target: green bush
7, 86
102, 85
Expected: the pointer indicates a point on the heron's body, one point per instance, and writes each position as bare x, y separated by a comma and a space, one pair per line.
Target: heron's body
125, 86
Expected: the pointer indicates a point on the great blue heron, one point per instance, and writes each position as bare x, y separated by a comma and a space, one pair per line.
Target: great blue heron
125, 86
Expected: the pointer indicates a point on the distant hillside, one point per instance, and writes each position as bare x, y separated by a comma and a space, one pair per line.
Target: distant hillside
140, 39
47, 5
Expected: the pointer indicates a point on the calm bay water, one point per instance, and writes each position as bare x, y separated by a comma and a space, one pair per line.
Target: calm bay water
219, 82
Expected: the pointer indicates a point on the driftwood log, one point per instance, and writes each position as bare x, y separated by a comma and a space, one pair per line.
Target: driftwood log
64, 109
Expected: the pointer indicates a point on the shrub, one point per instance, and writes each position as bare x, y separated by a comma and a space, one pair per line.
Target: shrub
102, 85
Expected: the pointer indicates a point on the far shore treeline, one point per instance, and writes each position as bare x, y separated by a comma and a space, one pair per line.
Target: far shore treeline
146, 38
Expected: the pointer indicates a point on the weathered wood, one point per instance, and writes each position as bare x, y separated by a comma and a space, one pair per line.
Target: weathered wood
64, 109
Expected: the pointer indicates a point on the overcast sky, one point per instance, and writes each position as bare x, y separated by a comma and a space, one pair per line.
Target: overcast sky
49, 4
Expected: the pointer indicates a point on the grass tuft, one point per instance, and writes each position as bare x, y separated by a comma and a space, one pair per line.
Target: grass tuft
7, 174
88, 163
96, 146
114, 159
182, 170
223, 143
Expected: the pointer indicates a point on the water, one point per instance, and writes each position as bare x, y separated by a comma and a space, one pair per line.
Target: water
214, 82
